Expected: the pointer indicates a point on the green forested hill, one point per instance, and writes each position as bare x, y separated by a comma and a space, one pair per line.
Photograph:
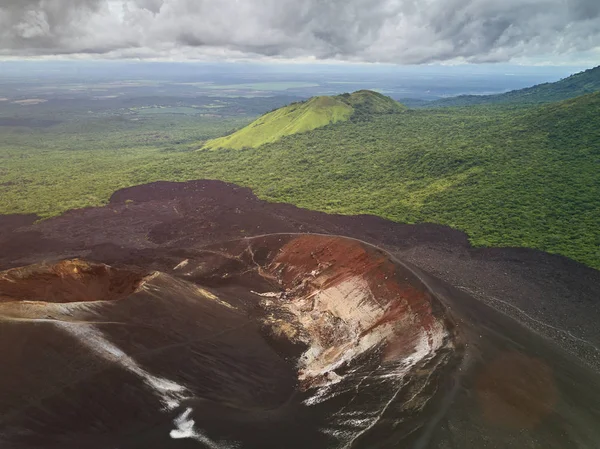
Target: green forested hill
305, 116
573, 86
507, 176
366, 103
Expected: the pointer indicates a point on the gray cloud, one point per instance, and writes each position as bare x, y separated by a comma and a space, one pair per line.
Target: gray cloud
397, 31
151, 5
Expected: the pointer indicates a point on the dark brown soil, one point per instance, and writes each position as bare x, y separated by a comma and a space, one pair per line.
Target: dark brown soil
556, 296
267, 330
264, 357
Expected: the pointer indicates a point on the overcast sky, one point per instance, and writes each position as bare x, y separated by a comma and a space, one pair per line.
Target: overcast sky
391, 31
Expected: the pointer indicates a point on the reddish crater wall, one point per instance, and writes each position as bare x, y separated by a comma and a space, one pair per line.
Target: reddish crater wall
338, 259
68, 281
349, 299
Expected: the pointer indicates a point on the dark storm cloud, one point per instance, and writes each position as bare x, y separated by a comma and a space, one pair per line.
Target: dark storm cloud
403, 31
39, 24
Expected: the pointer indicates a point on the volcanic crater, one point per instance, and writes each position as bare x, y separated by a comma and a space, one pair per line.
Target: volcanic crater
194, 315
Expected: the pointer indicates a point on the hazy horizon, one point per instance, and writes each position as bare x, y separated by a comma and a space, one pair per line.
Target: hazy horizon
295, 80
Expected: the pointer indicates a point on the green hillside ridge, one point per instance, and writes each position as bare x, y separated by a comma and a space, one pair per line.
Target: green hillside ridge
507, 176
314, 113
573, 86
365, 102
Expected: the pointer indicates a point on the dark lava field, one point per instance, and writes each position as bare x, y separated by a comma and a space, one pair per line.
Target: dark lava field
193, 315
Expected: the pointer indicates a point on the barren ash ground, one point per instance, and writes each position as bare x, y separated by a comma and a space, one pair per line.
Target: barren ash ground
193, 315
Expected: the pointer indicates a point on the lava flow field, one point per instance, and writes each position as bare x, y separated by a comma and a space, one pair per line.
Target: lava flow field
194, 315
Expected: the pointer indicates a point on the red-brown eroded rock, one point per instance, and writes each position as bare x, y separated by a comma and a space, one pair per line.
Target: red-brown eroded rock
282, 340
348, 299
69, 281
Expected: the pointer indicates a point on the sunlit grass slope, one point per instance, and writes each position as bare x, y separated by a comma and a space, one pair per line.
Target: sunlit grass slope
306, 116
369, 102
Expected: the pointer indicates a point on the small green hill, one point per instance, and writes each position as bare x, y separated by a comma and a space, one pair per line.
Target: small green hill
367, 102
306, 116
573, 86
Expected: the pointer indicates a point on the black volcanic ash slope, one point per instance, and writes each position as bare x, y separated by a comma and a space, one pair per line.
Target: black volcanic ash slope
278, 341
195, 337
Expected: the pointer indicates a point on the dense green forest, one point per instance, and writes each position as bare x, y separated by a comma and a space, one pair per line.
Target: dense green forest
573, 86
506, 175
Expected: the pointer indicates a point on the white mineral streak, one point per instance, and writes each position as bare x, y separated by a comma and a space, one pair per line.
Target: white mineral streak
347, 309
185, 427
267, 294
350, 312
169, 392
351, 422
182, 264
